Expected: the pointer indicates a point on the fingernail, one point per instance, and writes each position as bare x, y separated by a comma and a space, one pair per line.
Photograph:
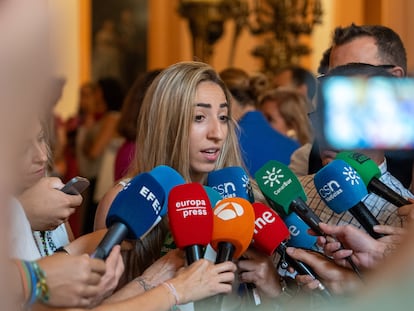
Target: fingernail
290, 250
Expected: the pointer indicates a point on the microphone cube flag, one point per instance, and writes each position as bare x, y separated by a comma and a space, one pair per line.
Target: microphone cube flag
269, 230
234, 224
168, 178
365, 166
231, 182
299, 236
339, 186
280, 186
138, 206
190, 215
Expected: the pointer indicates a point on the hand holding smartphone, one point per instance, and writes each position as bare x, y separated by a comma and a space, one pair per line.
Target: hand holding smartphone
76, 185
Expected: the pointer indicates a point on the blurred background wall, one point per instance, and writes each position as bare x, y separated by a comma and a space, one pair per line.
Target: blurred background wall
169, 38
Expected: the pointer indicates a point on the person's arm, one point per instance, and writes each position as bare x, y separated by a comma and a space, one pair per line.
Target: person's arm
259, 269
160, 271
200, 280
366, 252
407, 212
339, 280
45, 206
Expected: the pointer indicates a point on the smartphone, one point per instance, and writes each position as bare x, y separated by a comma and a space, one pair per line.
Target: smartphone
367, 113
76, 185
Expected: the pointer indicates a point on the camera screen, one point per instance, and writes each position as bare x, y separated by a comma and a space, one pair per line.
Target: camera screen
375, 112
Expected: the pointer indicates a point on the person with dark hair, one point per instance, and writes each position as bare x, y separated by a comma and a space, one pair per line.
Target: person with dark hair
371, 44
127, 126
298, 78
376, 45
259, 142
324, 62
385, 212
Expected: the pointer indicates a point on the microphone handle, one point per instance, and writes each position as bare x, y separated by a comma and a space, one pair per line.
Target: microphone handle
225, 252
114, 236
193, 253
382, 190
366, 219
302, 268
307, 215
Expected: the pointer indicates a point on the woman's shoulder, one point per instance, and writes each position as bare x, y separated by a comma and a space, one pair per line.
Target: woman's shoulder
105, 204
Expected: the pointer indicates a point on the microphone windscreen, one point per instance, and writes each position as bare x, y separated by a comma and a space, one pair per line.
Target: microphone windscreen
365, 166
280, 186
269, 230
190, 215
231, 182
233, 223
299, 236
168, 178
213, 195
138, 206
339, 186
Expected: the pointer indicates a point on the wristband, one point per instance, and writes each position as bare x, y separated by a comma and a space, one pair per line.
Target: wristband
61, 250
173, 291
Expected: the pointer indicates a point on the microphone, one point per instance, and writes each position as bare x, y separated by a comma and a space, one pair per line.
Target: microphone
191, 219
299, 236
168, 178
213, 196
270, 235
133, 213
341, 188
285, 194
231, 182
233, 225
370, 174
235, 182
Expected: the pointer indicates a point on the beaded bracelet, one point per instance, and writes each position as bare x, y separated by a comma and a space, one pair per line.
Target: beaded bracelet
173, 291
42, 290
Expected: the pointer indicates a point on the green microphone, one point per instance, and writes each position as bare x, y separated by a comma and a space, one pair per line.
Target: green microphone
370, 174
285, 194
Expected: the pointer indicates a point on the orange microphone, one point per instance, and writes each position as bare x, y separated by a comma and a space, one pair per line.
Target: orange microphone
233, 226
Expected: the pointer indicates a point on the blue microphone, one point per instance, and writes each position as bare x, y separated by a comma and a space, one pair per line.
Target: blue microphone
299, 236
231, 182
168, 178
133, 213
342, 189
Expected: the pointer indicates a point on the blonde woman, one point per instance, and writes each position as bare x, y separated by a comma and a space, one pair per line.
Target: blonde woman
186, 123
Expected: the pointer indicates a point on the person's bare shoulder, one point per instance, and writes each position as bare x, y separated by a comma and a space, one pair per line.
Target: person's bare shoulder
104, 205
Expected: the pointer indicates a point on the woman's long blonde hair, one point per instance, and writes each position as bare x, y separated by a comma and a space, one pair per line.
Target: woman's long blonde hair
167, 114
164, 124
